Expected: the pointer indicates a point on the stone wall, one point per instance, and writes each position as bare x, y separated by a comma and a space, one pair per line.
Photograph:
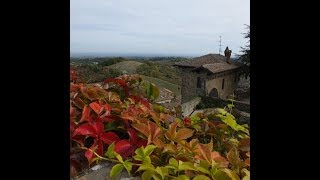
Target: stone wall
189, 107
230, 85
189, 89
242, 106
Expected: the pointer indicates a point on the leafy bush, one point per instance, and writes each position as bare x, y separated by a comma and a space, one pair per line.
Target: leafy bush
90, 73
117, 123
207, 102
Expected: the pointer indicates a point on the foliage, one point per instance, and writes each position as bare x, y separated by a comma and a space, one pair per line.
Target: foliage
161, 71
245, 56
117, 123
207, 102
91, 73
111, 61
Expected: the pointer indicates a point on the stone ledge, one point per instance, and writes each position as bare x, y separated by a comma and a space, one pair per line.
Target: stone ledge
101, 172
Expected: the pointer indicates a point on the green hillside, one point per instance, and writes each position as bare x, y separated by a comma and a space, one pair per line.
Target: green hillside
164, 84
129, 66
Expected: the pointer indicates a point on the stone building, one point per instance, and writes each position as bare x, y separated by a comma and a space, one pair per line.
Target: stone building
212, 75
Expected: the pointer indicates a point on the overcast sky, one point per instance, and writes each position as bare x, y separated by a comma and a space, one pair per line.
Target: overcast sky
168, 27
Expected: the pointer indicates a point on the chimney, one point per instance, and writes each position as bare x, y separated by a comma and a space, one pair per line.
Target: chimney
227, 54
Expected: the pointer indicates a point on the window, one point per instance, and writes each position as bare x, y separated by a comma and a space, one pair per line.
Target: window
198, 82
222, 83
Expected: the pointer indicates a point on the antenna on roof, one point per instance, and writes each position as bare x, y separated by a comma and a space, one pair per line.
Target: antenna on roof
220, 45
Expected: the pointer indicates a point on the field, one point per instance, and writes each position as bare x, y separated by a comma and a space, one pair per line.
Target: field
129, 66
161, 83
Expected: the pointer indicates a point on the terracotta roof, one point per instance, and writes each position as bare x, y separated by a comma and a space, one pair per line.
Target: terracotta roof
212, 62
219, 67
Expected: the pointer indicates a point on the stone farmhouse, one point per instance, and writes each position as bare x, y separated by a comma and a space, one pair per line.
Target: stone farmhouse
212, 75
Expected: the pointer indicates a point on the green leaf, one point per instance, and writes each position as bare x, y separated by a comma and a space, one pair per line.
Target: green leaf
118, 156
230, 121
146, 166
186, 166
139, 154
157, 177
116, 169
201, 169
173, 162
231, 174
201, 177
147, 160
148, 150
234, 158
225, 174
204, 164
183, 177
140, 151
110, 152
220, 175
138, 158
195, 118
153, 91
128, 166
147, 175
230, 106
142, 154
246, 175
162, 171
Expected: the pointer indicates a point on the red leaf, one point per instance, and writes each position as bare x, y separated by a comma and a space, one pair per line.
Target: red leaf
219, 159
73, 127
143, 101
133, 136
124, 148
120, 82
85, 114
109, 137
98, 126
154, 130
141, 142
85, 130
187, 121
96, 107
90, 155
107, 107
72, 112
108, 118
100, 148
78, 102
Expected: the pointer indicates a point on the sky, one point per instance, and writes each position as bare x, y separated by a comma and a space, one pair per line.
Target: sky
162, 27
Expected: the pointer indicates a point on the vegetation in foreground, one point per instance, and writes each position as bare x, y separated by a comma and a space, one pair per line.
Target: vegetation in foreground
119, 123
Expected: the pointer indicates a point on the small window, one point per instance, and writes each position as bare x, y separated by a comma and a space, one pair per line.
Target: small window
222, 83
198, 82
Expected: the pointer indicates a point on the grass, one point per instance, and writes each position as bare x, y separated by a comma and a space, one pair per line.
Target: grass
129, 66
164, 84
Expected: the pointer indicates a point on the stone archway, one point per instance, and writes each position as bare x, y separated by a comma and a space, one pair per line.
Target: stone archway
214, 92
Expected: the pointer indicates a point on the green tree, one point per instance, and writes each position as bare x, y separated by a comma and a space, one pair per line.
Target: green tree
245, 56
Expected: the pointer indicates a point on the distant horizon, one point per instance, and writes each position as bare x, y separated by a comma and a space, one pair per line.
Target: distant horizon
101, 54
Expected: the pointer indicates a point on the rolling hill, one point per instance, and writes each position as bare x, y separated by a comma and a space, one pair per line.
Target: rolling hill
129, 66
